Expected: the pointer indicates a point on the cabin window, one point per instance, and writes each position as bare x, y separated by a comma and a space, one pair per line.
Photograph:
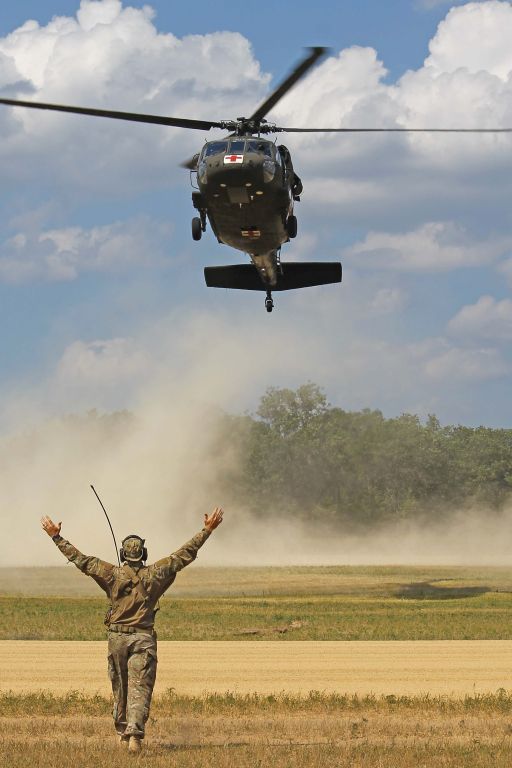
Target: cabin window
237, 147
215, 148
262, 147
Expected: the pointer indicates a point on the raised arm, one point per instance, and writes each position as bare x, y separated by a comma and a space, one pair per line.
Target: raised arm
188, 552
99, 570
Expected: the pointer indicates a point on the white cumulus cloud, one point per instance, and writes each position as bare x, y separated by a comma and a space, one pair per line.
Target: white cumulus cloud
414, 177
63, 254
475, 37
457, 364
112, 56
387, 301
487, 318
434, 247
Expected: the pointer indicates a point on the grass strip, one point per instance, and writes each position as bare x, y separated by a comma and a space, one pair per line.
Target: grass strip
480, 617
170, 703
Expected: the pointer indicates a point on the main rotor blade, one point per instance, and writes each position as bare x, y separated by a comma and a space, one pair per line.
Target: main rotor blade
178, 122
392, 130
299, 71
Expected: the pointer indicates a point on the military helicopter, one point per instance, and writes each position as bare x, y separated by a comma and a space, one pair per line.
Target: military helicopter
247, 187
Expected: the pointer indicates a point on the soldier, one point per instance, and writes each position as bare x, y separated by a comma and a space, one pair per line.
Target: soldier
133, 590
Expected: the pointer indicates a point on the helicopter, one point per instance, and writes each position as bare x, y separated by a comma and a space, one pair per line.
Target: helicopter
247, 188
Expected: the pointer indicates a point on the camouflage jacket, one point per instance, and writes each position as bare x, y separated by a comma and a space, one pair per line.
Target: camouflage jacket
128, 606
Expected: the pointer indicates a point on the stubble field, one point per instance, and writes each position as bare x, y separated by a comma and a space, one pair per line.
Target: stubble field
434, 694
249, 732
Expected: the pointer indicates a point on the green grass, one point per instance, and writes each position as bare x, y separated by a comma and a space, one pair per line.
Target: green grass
325, 603
484, 617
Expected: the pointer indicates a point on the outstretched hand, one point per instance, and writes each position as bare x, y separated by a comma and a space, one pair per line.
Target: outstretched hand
211, 522
51, 528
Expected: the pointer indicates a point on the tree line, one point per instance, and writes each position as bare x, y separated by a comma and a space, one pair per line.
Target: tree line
300, 456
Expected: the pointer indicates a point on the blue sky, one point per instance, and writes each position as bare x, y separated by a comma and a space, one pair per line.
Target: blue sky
101, 286
100, 283
277, 30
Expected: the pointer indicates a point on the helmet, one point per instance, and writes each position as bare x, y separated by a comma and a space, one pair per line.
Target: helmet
133, 549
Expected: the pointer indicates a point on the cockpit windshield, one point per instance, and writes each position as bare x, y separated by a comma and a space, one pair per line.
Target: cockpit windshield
262, 147
237, 146
215, 148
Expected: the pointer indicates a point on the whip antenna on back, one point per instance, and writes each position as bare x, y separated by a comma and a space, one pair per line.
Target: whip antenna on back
109, 523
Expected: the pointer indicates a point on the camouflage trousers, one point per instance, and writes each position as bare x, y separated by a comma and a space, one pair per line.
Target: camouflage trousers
132, 664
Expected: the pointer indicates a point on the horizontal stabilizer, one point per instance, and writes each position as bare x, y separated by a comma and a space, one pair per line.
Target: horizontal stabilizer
298, 274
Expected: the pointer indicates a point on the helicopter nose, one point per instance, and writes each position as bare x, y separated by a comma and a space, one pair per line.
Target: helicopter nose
233, 173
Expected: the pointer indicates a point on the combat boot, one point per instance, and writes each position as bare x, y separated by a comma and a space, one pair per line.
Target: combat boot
135, 744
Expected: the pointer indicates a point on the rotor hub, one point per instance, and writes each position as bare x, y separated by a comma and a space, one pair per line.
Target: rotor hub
244, 126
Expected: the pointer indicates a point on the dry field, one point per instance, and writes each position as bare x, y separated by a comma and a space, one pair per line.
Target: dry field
267, 667
285, 732
434, 693
204, 581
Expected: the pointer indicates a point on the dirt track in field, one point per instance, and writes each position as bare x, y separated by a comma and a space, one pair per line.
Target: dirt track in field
448, 667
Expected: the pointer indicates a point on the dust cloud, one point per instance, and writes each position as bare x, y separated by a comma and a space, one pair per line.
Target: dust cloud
160, 472
469, 537
158, 475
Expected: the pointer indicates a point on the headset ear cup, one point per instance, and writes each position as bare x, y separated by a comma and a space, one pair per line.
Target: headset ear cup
121, 555
144, 554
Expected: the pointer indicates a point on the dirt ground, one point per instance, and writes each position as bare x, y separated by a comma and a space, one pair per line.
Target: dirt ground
452, 668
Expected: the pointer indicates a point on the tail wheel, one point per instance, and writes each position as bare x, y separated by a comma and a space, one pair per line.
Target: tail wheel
197, 229
291, 226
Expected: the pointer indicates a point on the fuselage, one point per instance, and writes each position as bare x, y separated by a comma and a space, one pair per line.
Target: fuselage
246, 187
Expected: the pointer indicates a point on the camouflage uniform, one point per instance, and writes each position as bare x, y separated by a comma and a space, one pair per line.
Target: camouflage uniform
133, 590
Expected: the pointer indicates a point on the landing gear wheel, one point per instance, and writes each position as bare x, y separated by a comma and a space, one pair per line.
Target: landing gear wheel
197, 229
269, 302
291, 226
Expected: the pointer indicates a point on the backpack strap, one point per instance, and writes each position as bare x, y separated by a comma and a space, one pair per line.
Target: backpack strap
138, 583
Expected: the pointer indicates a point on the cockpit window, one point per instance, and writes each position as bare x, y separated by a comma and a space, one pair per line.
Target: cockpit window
262, 147
237, 147
215, 148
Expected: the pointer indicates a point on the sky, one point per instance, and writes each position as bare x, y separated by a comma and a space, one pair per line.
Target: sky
101, 286
102, 293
